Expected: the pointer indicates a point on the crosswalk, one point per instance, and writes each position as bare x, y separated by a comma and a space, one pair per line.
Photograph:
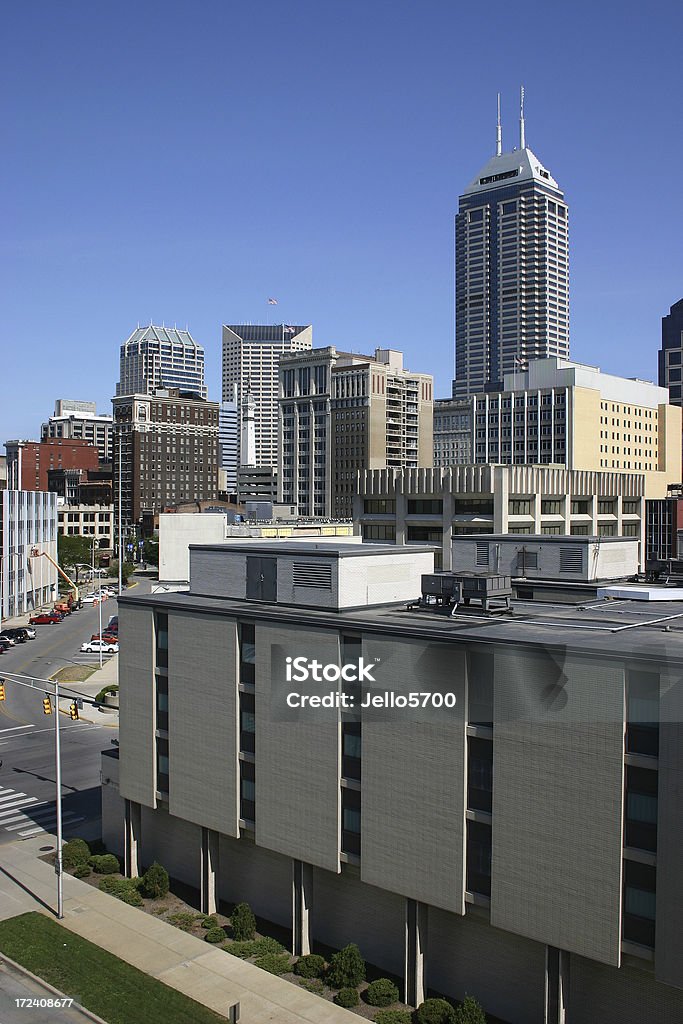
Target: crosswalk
26, 816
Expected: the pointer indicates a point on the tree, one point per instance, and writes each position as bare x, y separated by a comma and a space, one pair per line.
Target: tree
470, 1012
347, 968
243, 922
150, 552
72, 551
155, 881
127, 570
435, 1011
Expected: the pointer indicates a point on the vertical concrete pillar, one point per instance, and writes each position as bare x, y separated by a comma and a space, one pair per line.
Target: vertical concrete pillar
620, 515
209, 871
302, 898
415, 946
131, 842
447, 526
556, 985
401, 508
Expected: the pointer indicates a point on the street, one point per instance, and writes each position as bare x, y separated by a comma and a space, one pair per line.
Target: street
20, 999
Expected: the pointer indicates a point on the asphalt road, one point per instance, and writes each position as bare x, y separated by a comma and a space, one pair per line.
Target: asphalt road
27, 745
15, 987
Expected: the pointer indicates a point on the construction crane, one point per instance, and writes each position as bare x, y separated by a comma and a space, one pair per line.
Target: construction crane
37, 553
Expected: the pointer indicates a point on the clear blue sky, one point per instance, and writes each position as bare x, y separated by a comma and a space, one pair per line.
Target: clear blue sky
183, 162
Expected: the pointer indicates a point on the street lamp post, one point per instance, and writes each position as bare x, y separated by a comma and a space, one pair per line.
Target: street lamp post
58, 780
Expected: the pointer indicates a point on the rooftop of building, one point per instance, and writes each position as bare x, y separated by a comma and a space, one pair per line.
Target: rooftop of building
264, 333
512, 168
163, 334
311, 549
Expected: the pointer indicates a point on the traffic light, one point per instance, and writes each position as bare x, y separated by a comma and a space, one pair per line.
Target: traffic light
73, 711
2, 689
47, 706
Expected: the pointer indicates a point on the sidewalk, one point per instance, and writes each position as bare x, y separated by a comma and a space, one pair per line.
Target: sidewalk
210, 976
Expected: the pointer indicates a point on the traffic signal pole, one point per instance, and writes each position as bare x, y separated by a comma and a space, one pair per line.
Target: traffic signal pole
58, 781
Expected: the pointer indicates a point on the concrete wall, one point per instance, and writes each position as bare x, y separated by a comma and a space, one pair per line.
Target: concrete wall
172, 842
260, 877
599, 560
624, 996
137, 713
669, 937
177, 532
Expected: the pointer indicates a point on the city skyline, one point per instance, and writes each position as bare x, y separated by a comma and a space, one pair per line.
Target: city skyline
358, 232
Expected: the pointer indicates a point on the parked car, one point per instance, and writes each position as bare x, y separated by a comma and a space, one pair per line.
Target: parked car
17, 634
8, 639
45, 618
4, 646
109, 638
95, 646
90, 599
29, 631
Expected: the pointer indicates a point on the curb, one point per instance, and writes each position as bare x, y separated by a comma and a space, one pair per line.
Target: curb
50, 988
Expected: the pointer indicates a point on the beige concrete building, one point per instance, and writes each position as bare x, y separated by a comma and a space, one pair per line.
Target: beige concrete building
559, 412
94, 521
430, 506
341, 412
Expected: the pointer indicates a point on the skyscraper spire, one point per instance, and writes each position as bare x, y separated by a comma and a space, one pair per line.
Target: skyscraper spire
522, 139
499, 133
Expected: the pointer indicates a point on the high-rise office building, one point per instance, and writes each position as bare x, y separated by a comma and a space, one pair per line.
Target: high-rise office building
671, 353
80, 420
511, 269
161, 357
251, 357
228, 439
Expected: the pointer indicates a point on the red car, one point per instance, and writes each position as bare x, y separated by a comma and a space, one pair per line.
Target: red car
44, 619
109, 638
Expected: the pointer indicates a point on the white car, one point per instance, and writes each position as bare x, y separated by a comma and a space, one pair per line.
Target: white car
95, 646
90, 599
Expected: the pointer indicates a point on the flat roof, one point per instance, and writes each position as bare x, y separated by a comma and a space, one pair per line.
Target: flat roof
326, 549
545, 538
603, 628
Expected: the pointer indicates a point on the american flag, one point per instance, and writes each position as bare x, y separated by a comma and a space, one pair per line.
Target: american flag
272, 302
288, 330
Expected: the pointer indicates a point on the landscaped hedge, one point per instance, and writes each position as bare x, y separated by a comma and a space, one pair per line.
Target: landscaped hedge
274, 963
155, 882
104, 864
347, 997
82, 871
393, 1017
215, 935
310, 966
435, 1011
382, 992
125, 889
255, 947
347, 968
470, 1012
75, 852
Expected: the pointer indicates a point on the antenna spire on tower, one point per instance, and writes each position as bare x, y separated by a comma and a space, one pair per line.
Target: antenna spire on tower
522, 139
499, 133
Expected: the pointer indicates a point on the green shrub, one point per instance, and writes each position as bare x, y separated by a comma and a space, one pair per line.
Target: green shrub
75, 852
155, 882
104, 864
382, 992
243, 922
255, 947
112, 688
313, 985
97, 846
215, 935
124, 889
274, 963
310, 966
183, 920
81, 871
470, 1012
210, 922
347, 968
435, 1011
393, 1017
347, 997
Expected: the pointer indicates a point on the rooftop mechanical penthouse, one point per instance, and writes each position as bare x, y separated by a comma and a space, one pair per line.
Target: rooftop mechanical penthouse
520, 842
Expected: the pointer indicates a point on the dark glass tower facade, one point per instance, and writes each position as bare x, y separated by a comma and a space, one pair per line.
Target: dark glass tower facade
671, 353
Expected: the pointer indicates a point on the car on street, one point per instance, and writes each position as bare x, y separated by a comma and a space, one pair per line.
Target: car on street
29, 631
95, 646
18, 634
109, 638
8, 639
90, 599
4, 646
45, 618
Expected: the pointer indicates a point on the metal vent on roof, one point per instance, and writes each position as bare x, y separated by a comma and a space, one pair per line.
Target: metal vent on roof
527, 560
312, 574
482, 557
571, 559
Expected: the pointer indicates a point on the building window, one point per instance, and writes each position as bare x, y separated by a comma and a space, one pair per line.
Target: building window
480, 688
479, 858
162, 766
479, 774
379, 506
351, 750
425, 507
248, 791
350, 821
378, 532
247, 723
473, 506
247, 652
640, 900
640, 826
551, 507
642, 713
423, 534
607, 507
520, 507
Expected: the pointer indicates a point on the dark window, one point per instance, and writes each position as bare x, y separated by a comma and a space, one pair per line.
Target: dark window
247, 723
350, 821
162, 702
247, 791
377, 532
425, 507
479, 774
642, 713
424, 534
351, 650
247, 645
480, 687
351, 750
161, 622
474, 506
379, 506
640, 886
162, 766
640, 826
479, 858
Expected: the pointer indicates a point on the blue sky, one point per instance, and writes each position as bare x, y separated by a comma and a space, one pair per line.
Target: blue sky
183, 162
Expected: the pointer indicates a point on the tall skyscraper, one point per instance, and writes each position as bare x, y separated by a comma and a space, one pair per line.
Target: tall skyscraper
251, 357
228, 439
161, 357
671, 353
511, 269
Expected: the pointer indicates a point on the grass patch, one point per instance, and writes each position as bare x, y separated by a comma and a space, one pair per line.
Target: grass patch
74, 673
107, 986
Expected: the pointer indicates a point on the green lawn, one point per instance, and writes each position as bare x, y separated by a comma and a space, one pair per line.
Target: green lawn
112, 989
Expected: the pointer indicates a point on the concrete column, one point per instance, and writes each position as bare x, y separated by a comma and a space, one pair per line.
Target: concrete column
302, 898
620, 515
556, 985
131, 843
209, 871
447, 526
401, 510
415, 987
500, 479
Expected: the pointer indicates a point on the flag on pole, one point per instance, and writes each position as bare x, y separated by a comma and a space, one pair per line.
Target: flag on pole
272, 302
288, 330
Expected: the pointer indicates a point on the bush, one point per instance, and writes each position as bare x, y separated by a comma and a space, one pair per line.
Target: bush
104, 864
310, 966
210, 922
393, 1017
382, 992
347, 997
75, 852
215, 935
315, 986
435, 1011
470, 1012
243, 922
125, 889
155, 882
274, 963
255, 947
347, 968
81, 871
184, 920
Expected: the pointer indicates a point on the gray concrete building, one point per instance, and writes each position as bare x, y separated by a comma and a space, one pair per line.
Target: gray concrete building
80, 420
453, 432
516, 837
